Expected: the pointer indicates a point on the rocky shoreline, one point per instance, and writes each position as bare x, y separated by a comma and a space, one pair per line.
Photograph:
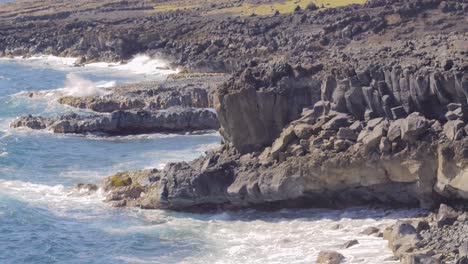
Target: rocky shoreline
125, 122
325, 107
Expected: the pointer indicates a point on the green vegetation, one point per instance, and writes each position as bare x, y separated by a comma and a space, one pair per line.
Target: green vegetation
119, 180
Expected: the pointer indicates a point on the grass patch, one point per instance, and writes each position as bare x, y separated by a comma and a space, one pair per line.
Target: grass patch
119, 181
169, 8
284, 7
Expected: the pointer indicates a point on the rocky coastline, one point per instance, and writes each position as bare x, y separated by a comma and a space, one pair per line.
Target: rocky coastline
324, 107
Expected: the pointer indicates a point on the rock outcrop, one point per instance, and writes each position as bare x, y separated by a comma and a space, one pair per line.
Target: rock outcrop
125, 122
182, 90
438, 238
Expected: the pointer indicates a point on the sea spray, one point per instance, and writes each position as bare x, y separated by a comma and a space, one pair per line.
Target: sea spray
141, 64
77, 86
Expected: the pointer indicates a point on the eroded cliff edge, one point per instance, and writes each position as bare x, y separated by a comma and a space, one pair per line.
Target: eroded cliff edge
377, 115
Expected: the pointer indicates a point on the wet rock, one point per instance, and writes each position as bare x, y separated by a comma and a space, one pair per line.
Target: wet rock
329, 257
370, 231
33, 122
86, 187
126, 122
350, 244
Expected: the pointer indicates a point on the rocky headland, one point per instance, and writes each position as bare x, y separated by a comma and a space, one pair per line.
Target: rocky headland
178, 90
359, 105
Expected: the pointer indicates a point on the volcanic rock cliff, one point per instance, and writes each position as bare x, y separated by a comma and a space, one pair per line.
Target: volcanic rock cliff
365, 111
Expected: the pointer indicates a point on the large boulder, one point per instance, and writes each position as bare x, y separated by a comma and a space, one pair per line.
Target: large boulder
413, 126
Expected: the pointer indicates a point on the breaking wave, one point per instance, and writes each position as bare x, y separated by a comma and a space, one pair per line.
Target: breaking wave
77, 86
140, 64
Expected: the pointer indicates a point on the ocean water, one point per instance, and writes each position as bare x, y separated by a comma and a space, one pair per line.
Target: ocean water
43, 220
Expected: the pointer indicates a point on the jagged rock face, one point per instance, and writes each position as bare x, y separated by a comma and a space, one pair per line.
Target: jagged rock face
452, 173
253, 111
393, 93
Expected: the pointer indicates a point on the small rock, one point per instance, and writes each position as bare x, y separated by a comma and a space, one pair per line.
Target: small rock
370, 231
437, 127
336, 227
350, 244
392, 258
372, 139
346, 133
398, 112
356, 126
462, 260
446, 215
281, 143
374, 122
453, 106
420, 225
454, 129
451, 116
338, 121
413, 126
463, 249
329, 257
303, 131
340, 145
385, 145
394, 130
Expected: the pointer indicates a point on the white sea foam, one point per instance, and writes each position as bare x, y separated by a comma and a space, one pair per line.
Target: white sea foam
57, 198
140, 64
106, 84
46, 60
39, 193
84, 175
287, 236
3, 154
